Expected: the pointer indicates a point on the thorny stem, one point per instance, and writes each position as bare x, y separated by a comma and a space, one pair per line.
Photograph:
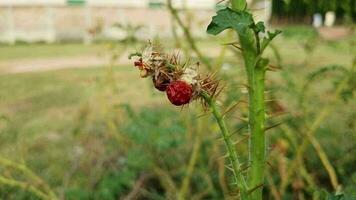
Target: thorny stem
232, 154
188, 35
255, 69
257, 146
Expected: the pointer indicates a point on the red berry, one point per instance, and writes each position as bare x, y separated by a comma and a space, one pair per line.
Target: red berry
179, 92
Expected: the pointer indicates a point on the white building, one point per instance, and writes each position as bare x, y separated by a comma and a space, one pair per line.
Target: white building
53, 20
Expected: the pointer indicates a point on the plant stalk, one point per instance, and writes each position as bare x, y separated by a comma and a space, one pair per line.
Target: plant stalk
256, 71
257, 146
232, 154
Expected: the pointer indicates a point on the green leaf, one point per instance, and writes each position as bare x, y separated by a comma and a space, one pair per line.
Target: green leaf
269, 38
228, 18
260, 27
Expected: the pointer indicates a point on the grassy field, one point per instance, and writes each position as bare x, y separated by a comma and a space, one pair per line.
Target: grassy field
26, 51
96, 133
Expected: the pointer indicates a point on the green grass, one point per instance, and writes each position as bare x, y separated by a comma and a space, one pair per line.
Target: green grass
22, 51
64, 120
39, 103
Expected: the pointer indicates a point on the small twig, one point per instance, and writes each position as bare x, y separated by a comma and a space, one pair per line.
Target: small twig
255, 188
137, 187
188, 35
24, 186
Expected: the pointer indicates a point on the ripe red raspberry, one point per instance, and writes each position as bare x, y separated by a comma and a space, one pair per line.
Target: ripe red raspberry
179, 92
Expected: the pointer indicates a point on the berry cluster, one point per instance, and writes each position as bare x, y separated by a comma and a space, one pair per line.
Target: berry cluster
181, 82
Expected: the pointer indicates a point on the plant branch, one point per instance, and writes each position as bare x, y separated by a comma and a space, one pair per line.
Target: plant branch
255, 70
29, 174
235, 164
24, 186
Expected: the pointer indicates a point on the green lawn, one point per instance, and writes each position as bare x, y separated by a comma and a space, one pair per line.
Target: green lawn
25, 51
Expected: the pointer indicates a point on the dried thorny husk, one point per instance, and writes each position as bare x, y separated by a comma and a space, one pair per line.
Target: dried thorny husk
167, 69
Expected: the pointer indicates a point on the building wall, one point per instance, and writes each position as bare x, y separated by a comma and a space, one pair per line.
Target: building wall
206, 4
54, 20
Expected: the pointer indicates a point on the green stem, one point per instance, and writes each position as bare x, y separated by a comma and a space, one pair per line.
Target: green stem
235, 164
257, 146
255, 70
239, 4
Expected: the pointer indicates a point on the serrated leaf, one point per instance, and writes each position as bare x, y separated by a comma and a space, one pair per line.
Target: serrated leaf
228, 18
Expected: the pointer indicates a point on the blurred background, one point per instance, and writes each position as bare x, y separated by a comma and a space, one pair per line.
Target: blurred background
77, 122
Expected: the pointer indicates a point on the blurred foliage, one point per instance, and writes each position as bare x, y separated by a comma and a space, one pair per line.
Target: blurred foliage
299, 10
103, 134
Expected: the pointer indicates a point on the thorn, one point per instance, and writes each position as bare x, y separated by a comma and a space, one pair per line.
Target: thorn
181, 108
241, 118
231, 43
220, 90
276, 114
233, 133
241, 140
270, 100
244, 168
238, 130
255, 188
245, 85
270, 165
242, 101
230, 108
273, 126
237, 47
223, 157
233, 183
203, 115
229, 168
214, 89
234, 44
212, 75
273, 68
